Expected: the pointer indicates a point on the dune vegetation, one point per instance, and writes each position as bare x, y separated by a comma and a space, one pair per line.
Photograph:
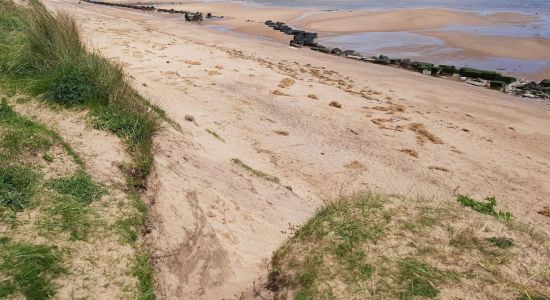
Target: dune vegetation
52, 217
389, 247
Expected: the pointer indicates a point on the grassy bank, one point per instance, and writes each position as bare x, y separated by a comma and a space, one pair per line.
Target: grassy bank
42, 55
382, 247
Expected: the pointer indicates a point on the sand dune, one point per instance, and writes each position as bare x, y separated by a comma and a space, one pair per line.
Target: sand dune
216, 220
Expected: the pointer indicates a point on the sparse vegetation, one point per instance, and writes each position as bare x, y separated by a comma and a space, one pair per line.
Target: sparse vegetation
287, 82
388, 247
215, 134
391, 108
485, 207
42, 55
500, 242
335, 104
47, 58
313, 96
410, 152
281, 132
68, 214
79, 187
442, 169
419, 279
255, 172
21, 134
144, 273
17, 186
28, 269
278, 93
422, 134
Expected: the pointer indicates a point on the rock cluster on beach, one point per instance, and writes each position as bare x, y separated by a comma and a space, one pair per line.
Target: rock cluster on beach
482, 78
189, 16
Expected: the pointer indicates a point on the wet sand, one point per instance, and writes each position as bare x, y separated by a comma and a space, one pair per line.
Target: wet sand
426, 22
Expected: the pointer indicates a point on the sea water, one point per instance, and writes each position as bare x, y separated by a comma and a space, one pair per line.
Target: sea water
526, 6
416, 46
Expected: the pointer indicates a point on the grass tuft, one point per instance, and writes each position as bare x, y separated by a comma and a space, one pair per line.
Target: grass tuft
388, 247
255, 172
41, 53
144, 272
28, 269
486, 207
17, 186
419, 279
67, 214
500, 242
21, 135
215, 134
80, 187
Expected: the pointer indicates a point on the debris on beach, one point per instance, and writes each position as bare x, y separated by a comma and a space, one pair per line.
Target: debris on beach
189, 16
476, 77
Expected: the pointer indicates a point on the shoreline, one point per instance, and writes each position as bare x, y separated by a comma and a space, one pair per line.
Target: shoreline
466, 44
428, 66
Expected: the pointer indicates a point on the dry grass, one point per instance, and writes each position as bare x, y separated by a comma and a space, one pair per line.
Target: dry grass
410, 152
281, 132
279, 93
391, 108
192, 62
287, 82
313, 96
442, 169
335, 104
422, 134
355, 165
255, 172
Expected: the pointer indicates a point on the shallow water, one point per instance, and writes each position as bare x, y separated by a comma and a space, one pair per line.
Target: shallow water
419, 47
528, 6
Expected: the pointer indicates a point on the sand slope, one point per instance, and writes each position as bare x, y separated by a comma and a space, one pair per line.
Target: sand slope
216, 223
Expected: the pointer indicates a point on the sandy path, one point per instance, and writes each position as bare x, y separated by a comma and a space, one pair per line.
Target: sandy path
217, 224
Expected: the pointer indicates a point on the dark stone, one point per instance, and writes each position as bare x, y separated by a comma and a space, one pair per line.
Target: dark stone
497, 85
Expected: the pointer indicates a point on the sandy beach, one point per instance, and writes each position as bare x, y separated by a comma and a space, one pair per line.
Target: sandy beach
213, 225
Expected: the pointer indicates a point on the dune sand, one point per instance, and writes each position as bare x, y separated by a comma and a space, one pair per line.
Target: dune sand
214, 223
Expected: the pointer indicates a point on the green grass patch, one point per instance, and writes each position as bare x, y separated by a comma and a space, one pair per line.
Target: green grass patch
21, 135
133, 222
330, 246
366, 246
81, 187
143, 271
420, 279
17, 186
28, 269
42, 54
48, 59
70, 212
255, 172
67, 214
485, 207
500, 242
48, 157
